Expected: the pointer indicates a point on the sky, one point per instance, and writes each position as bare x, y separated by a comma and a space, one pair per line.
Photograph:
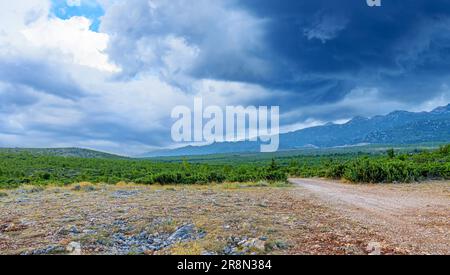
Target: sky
105, 74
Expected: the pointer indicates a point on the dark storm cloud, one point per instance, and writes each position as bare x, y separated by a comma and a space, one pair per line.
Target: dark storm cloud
39, 75
329, 48
11, 99
318, 50
360, 39
208, 39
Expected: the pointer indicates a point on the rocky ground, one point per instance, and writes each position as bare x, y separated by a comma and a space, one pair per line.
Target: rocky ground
219, 219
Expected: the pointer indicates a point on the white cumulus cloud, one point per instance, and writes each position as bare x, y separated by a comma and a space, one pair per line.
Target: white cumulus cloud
73, 38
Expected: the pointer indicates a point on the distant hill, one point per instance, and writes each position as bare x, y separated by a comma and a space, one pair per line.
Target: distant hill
62, 152
399, 127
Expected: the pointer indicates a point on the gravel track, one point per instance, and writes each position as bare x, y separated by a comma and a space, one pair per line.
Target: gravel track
414, 216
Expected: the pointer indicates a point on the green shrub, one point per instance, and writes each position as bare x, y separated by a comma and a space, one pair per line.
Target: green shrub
273, 176
445, 150
335, 171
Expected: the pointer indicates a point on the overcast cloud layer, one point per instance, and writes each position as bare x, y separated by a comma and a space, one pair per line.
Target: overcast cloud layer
105, 74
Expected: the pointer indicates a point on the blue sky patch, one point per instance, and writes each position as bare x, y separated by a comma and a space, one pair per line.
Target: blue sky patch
87, 8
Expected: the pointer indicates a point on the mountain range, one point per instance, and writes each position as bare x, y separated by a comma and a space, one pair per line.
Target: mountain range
62, 152
399, 127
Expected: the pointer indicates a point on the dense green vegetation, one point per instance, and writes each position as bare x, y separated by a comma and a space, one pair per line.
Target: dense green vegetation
17, 168
386, 168
282, 155
26, 168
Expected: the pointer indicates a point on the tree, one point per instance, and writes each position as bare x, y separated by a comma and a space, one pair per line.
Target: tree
391, 153
273, 165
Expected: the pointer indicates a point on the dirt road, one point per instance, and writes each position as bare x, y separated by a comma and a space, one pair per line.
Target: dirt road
414, 216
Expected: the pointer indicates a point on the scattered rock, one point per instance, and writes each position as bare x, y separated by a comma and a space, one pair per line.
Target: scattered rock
71, 229
74, 248
122, 194
145, 243
374, 248
74, 230
85, 188
136, 244
244, 245
49, 250
254, 244
76, 188
208, 253
233, 245
281, 245
22, 200
89, 232
272, 245
230, 250
35, 190
185, 232
27, 223
121, 226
